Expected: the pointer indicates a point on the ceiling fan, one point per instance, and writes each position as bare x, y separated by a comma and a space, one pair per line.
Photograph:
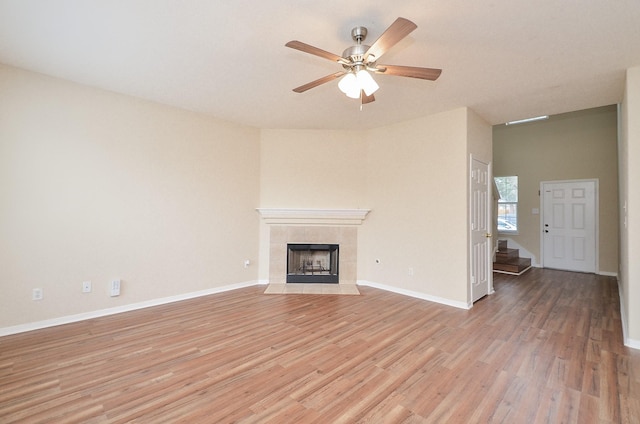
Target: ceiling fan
356, 60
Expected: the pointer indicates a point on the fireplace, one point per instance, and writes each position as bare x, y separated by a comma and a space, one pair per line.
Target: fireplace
312, 263
311, 226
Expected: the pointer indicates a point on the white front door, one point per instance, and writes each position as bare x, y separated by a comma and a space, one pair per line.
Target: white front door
569, 222
480, 217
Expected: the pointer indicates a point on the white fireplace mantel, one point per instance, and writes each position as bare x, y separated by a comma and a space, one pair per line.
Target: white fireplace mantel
288, 216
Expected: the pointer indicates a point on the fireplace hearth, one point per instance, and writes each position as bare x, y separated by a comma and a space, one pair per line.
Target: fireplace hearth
312, 263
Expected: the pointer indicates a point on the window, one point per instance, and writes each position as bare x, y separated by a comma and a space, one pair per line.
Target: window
507, 204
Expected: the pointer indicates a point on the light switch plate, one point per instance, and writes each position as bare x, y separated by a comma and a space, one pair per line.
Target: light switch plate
114, 288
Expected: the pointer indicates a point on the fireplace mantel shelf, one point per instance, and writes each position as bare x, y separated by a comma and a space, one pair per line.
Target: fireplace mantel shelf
285, 216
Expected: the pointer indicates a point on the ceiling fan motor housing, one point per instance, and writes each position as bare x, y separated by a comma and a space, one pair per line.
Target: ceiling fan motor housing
355, 54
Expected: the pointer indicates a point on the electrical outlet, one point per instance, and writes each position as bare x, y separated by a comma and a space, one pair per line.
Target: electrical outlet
114, 288
410, 272
86, 287
37, 294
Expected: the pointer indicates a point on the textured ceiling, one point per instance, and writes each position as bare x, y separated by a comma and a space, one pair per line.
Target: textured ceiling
505, 59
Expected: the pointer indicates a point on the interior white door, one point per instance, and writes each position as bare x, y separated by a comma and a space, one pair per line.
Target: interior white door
480, 216
569, 225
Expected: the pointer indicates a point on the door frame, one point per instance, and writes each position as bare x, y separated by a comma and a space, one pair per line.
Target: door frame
596, 182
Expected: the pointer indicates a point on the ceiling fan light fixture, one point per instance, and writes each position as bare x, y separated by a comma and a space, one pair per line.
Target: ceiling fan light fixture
354, 94
350, 86
366, 82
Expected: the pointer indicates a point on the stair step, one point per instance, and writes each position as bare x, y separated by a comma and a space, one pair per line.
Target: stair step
514, 266
505, 255
502, 244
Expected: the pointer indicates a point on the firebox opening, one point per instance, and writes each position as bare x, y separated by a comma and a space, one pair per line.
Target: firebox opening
312, 263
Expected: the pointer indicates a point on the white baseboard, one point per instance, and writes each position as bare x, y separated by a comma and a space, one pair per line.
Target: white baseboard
119, 309
415, 294
633, 344
604, 273
628, 342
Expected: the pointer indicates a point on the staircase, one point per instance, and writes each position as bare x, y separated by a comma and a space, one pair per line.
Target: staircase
508, 261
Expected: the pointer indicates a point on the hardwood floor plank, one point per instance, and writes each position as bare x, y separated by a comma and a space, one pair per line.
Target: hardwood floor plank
609, 397
588, 412
487, 410
389, 410
546, 347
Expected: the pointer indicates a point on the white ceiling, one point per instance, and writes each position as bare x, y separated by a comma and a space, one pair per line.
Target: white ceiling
505, 59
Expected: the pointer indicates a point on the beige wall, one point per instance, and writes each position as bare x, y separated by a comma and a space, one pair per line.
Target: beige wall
416, 187
96, 186
629, 208
577, 145
312, 169
479, 138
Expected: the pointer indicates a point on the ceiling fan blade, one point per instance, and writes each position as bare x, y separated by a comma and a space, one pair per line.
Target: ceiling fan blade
409, 71
303, 47
396, 32
318, 82
366, 99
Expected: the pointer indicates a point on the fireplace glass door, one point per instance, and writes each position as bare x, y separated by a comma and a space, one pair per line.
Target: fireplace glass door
312, 263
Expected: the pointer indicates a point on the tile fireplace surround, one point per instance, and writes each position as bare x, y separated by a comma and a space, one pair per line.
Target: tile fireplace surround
313, 226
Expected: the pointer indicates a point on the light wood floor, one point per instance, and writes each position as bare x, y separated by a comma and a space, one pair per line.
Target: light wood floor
546, 347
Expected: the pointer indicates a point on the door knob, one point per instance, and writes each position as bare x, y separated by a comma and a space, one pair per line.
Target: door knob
487, 235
